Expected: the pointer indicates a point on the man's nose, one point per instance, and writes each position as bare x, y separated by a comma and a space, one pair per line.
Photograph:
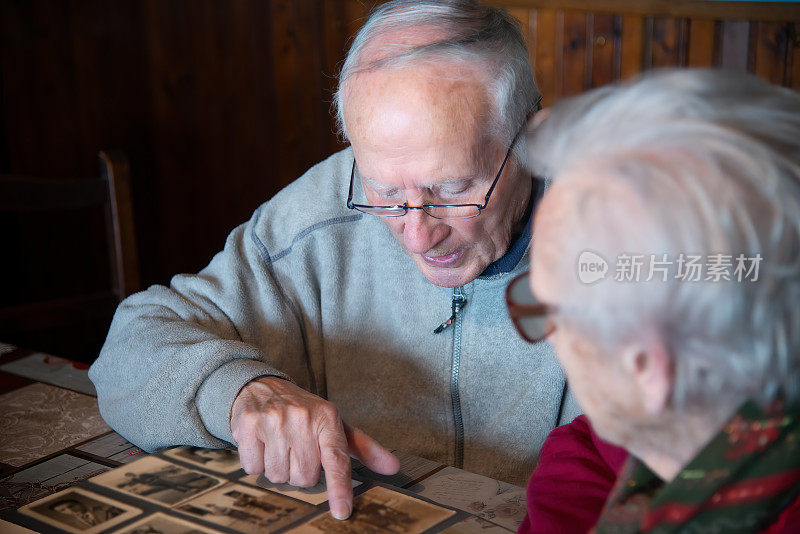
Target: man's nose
421, 232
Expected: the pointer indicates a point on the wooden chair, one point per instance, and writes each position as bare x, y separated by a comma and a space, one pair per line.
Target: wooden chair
111, 193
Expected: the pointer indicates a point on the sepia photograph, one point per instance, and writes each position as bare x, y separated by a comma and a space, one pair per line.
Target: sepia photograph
218, 460
380, 510
157, 480
78, 510
160, 523
317, 494
246, 509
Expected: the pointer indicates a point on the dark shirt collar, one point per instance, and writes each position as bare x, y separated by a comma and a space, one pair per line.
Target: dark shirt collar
517, 249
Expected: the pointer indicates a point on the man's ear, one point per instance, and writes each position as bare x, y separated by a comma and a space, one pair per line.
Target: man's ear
650, 366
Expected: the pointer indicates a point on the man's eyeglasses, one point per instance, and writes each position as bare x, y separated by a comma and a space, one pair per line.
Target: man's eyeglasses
530, 317
448, 212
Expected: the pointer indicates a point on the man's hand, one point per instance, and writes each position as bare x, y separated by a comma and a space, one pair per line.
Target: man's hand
286, 433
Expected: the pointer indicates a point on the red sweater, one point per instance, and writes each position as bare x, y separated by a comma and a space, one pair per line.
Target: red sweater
575, 475
569, 487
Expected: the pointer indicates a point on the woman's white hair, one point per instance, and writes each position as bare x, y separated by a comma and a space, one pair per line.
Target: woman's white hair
468, 32
708, 162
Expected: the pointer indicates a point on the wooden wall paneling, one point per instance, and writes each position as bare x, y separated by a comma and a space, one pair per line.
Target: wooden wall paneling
243, 173
211, 161
668, 42
702, 42
321, 123
632, 45
547, 42
112, 106
40, 90
39, 87
334, 44
734, 45
770, 51
604, 43
173, 94
733, 10
111, 94
794, 56
573, 55
524, 17
291, 101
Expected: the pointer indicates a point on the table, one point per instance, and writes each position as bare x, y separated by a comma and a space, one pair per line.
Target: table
62, 469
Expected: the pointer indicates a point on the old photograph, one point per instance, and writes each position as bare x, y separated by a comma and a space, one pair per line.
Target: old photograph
165, 524
78, 510
157, 480
381, 510
218, 460
246, 509
315, 494
493, 500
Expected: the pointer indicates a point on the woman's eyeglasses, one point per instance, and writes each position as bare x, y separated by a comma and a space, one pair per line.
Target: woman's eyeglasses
530, 316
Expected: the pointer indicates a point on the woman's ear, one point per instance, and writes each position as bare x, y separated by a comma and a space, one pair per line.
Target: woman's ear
537, 117
650, 366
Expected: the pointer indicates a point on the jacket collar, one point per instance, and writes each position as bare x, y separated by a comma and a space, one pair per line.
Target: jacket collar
512, 257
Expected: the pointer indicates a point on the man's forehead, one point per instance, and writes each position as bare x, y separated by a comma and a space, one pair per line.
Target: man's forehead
419, 182
431, 99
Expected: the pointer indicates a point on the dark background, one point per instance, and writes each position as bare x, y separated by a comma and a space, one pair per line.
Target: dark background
219, 104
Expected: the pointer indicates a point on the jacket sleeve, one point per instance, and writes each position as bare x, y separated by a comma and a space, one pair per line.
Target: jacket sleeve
176, 357
576, 472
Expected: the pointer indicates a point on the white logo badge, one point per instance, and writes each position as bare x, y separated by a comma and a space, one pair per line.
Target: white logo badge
591, 267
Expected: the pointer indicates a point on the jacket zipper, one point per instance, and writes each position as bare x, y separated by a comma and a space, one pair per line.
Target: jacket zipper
458, 304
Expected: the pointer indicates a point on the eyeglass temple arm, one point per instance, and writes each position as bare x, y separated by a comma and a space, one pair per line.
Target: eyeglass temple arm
350, 192
508, 153
489, 193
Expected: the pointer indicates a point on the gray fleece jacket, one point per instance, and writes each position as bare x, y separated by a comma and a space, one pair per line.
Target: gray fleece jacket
324, 296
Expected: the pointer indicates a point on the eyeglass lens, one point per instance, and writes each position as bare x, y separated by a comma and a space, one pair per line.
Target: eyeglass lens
534, 327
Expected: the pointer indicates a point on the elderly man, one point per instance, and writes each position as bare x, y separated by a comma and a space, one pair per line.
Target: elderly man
666, 266
370, 290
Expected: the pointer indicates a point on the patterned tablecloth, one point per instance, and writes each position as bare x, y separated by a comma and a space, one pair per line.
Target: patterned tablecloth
62, 469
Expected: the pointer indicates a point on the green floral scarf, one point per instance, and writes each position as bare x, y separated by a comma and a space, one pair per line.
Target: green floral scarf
740, 482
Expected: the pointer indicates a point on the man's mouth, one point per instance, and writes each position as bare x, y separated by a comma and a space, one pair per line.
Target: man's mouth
446, 260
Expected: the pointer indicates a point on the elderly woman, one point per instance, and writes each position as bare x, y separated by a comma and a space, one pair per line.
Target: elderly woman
666, 273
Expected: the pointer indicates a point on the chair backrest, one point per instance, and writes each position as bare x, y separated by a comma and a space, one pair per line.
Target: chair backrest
111, 193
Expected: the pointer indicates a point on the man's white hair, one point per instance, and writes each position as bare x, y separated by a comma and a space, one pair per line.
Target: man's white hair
708, 162
467, 32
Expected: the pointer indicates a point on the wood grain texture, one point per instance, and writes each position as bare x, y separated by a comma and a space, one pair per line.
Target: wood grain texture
547, 48
769, 11
668, 42
771, 51
702, 42
793, 56
574, 54
604, 43
632, 54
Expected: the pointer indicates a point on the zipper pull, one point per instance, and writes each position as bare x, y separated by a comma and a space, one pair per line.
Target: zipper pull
459, 303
